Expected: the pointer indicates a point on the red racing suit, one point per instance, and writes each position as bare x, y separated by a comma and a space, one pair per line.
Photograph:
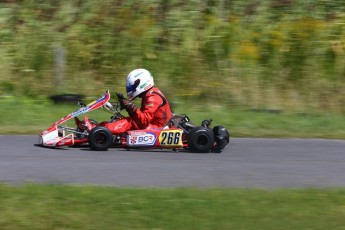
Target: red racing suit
154, 112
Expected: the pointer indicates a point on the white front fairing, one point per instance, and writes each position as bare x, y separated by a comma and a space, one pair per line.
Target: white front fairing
51, 138
56, 137
48, 136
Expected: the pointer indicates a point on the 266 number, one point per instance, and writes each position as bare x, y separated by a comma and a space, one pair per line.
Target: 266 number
170, 138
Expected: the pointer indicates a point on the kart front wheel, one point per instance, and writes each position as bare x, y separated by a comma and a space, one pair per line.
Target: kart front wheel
200, 139
100, 138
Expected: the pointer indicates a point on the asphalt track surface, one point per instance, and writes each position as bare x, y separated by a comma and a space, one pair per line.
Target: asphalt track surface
245, 163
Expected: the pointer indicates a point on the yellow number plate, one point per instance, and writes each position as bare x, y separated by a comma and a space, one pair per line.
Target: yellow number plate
171, 138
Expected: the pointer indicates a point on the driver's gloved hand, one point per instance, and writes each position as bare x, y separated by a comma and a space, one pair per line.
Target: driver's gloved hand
121, 99
120, 96
126, 104
129, 107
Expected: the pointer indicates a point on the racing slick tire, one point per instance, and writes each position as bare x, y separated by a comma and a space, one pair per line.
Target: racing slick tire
100, 138
200, 139
221, 137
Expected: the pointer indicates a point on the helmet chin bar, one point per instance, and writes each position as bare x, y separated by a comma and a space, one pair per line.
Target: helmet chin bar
140, 95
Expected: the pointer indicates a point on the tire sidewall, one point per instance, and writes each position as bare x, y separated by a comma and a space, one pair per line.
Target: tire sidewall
95, 133
200, 140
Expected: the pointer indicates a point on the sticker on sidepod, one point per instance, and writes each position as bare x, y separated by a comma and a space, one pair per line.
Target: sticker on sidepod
171, 138
140, 138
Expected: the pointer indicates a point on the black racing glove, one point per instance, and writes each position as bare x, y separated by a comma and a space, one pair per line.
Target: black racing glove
120, 96
126, 104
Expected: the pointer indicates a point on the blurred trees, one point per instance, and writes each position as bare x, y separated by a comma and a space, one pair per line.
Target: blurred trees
286, 54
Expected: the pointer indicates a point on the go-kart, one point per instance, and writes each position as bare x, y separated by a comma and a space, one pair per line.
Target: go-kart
178, 134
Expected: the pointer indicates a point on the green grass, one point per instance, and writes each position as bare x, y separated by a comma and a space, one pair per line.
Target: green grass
87, 207
24, 116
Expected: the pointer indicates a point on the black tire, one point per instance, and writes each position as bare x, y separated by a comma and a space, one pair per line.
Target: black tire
100, 138
221, 137
200, 139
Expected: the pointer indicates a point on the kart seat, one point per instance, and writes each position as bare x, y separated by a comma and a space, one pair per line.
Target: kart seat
174, 121
179, 121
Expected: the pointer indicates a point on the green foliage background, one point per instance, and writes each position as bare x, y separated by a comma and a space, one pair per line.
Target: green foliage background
281, 54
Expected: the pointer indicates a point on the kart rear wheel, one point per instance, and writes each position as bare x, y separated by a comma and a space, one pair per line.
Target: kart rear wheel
200, 139
100, 138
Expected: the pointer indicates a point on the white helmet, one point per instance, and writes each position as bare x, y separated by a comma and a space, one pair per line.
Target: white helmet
138, 81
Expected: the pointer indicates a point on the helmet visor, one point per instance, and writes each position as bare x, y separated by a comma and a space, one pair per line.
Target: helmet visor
132, 88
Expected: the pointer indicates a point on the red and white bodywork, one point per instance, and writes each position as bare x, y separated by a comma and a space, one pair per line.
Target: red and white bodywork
55, 136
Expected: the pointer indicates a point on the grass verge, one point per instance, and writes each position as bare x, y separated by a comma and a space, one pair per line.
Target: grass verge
23, 116
87, 207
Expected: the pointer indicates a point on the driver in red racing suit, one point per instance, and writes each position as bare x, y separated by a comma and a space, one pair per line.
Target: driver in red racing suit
154, 112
